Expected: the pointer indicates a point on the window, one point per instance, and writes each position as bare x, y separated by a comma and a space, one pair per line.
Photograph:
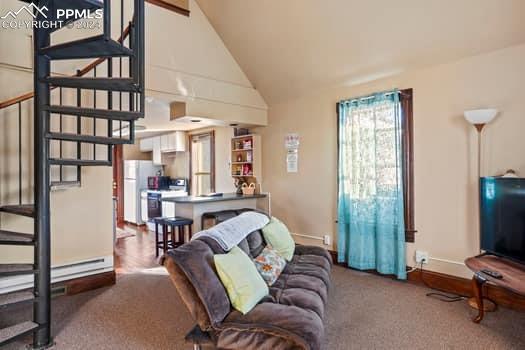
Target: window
387, 171
202, 163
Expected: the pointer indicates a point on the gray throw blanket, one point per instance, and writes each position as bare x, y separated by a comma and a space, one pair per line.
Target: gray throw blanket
231, 232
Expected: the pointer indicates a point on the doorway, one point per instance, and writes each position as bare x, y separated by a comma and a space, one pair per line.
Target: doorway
118, 184
202, 163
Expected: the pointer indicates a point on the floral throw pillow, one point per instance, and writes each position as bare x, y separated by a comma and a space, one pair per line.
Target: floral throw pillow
269, 264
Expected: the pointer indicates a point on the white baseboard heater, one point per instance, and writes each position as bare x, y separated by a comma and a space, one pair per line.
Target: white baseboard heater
60, 273
317, 238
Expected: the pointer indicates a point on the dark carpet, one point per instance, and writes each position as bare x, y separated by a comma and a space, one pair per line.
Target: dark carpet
143, 311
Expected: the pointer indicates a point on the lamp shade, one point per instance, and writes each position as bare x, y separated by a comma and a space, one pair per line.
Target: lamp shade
480, 116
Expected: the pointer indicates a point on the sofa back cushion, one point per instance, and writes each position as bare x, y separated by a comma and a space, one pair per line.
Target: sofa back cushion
253, 244
278, 236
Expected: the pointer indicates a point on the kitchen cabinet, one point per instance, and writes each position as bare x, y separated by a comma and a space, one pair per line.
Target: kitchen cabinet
165, 143
146, 144
174, 142
157, 152
168, 209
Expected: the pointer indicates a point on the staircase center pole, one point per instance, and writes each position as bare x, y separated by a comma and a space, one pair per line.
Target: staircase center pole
42, 308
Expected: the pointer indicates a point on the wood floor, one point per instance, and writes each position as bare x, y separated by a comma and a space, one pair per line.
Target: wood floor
135, 252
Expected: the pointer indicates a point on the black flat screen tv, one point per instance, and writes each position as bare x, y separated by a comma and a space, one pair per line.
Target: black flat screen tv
502, 217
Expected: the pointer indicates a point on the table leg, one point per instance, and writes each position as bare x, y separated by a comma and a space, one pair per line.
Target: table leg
180, 235
165, 237
156, 240
477, 287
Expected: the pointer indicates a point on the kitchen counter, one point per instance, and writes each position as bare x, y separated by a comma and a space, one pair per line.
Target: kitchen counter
192, 207
224, 197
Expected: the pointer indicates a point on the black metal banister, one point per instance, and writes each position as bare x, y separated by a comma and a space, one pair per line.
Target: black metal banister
95, 118
79, 131
107, 19
20, 153
42, 251
61, 129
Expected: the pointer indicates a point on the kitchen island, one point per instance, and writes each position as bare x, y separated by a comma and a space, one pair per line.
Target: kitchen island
192, 207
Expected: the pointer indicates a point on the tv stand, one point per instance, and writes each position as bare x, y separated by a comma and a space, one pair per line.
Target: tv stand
513, 277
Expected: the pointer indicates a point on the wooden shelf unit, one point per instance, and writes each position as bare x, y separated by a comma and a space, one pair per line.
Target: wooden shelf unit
246, 155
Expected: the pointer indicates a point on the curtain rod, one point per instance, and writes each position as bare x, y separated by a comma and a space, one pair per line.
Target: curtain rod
368, 97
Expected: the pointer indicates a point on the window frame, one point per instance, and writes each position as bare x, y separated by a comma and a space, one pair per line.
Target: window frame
407, 124
407, 108
211, 133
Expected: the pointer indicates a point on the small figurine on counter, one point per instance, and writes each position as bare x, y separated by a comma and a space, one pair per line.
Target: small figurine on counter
238, 184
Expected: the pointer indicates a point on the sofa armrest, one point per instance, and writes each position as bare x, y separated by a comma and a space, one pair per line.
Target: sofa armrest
313, 250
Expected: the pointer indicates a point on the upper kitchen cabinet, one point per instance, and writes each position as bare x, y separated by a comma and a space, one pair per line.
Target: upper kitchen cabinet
157, 153
174, 142
146, 144
169, 143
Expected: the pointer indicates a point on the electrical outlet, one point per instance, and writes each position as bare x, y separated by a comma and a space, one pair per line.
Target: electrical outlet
421, 257
326, 240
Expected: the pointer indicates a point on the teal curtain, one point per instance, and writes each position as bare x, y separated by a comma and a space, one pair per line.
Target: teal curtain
371, 227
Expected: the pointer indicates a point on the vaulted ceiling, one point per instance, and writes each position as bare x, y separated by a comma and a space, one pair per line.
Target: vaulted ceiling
288, 48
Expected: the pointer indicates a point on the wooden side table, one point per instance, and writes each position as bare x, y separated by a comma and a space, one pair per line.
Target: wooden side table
513, 277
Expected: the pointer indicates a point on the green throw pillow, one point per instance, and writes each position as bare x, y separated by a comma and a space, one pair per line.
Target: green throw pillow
277, 235
242, 281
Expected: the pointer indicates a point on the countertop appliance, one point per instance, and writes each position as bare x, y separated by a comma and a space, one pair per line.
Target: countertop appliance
159, 182
136, 173
157, 208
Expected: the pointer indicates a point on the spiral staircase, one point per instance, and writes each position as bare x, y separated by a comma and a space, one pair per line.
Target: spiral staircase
62, 148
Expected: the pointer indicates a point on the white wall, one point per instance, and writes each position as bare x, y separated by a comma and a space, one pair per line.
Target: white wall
187, 60
445, 151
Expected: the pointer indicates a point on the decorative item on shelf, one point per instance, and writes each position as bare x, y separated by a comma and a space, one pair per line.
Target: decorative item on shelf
248, 189
240, 131
248, 156
239, 157
239, 182
238, 145
247, 144
510, 173
247, 170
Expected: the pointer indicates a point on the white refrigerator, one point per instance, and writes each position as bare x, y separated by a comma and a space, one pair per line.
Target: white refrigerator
136, 174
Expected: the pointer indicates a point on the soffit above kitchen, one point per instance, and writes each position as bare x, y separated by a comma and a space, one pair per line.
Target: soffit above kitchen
187, 61
296, 47
163, 115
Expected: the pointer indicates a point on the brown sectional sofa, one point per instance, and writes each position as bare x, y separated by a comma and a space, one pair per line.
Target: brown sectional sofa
290, 317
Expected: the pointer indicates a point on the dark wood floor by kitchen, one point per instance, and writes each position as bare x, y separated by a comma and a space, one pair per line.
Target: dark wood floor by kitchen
135, 252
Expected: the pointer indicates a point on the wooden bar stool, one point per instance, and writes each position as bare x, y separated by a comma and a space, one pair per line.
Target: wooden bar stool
216, 217
178, 224
165, 242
